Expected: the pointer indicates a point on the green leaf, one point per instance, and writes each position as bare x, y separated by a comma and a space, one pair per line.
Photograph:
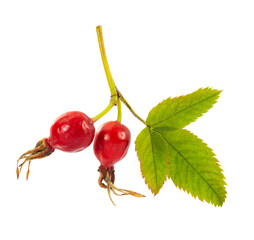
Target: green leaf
194, 168
176, 113
154, 158
193, 165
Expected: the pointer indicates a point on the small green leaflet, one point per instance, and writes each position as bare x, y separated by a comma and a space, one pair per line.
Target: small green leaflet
175, 113
166, 150
154, 158
194, 168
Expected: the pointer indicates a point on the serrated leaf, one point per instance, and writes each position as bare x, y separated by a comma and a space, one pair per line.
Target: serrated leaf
194, 168
154, 158
176, 113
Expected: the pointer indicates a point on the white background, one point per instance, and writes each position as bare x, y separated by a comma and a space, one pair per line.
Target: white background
50, 64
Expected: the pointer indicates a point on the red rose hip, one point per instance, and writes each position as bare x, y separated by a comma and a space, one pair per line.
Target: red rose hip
71, 132
111, 143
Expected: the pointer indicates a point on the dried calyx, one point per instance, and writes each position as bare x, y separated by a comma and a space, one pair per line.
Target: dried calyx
41, 150
108, 176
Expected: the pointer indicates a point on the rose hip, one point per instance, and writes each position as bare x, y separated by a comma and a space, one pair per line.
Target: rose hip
71, 132
111, 143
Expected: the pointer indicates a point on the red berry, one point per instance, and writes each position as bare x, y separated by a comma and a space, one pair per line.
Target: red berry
71, 132
111, 143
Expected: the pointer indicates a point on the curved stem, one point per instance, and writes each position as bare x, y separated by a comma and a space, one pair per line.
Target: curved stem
111, 82
129, 107
116, 96
105, 111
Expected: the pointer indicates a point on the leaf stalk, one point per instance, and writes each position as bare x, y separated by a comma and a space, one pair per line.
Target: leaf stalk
129, 107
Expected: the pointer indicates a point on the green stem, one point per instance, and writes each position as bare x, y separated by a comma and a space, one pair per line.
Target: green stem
116, 96
129, 107
105, 111
119, 110
111, 82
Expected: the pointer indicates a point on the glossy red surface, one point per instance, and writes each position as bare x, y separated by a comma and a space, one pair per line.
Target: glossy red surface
71, 132
111, 143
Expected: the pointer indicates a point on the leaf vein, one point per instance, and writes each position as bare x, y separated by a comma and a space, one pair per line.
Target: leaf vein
156, 180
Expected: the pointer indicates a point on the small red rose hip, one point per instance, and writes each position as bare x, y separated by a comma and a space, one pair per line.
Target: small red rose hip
111, 143
71, 132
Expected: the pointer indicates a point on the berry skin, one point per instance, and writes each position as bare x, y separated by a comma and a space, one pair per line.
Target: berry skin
111, 143
71, 132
